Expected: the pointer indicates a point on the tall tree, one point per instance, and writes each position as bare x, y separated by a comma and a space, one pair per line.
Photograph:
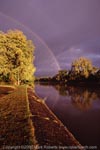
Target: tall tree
17, 51
82, 67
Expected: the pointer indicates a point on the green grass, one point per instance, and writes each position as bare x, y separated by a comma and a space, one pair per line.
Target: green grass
16, 127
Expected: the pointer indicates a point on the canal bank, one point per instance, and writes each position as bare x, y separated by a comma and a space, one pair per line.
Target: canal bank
49, 130
27, 123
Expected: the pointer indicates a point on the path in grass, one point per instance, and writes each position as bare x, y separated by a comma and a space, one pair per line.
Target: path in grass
16, 128
25, 119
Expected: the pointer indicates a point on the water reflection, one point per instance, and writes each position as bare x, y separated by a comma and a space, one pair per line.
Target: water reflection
80, 97
77, 107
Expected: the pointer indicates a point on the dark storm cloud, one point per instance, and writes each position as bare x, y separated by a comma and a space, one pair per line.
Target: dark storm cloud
71, 28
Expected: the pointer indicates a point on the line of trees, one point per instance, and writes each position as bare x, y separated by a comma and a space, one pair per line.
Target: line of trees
16, 57
81, 70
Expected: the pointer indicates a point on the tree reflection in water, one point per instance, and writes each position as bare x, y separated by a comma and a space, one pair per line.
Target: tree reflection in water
81, 97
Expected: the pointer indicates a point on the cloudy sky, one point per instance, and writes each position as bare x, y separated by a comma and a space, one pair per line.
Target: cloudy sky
62, 30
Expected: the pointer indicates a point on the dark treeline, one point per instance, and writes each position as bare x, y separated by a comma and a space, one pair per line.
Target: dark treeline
82, 71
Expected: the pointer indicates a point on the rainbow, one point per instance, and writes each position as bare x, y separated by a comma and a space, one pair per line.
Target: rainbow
34, 34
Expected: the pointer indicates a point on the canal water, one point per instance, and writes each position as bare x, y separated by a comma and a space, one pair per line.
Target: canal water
77, 107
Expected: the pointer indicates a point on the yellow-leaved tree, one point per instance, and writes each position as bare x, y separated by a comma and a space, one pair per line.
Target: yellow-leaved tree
16, 57
82, 67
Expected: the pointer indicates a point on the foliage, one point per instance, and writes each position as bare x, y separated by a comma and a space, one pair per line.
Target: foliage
62, 76
16, 57
81, 70
81, 67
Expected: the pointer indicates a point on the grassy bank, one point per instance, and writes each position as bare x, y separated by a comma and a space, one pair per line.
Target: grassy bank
4, 90
49, 130
19, 129
16, 128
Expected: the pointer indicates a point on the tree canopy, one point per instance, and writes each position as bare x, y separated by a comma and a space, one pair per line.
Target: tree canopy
62, 76
16, 57
82, 66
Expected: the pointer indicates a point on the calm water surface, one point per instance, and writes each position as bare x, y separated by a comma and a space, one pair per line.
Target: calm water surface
77, 107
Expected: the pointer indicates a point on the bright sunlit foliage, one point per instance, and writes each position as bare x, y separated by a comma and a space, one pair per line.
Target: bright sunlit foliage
16, 57
82, 66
